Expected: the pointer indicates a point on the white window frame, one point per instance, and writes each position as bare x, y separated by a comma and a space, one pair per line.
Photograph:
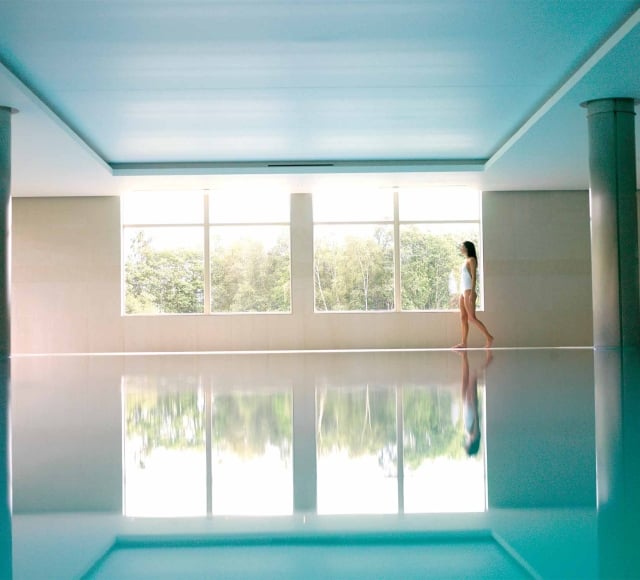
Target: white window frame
206, 225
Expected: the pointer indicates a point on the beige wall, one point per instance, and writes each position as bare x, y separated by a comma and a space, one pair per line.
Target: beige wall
66, 286
538, 267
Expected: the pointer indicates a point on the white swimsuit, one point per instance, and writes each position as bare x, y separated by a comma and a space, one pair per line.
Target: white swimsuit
466, 283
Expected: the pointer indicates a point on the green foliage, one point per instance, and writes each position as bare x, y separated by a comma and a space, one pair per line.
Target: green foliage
362, 421
428, 263
171, 421
242, 423
163, 281
247, 423
428, 429
245, 277
355, 275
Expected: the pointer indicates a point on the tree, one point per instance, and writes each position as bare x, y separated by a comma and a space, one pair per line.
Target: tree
247, 277
162, 281
428, 264
356, 274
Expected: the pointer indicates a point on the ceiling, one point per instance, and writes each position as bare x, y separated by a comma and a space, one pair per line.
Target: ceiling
137, 94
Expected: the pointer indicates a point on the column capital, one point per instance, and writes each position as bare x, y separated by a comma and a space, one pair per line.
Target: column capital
611, 105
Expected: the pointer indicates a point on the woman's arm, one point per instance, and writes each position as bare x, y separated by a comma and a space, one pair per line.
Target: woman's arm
472, 269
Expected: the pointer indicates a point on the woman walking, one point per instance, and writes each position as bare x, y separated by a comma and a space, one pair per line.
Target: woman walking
468, 296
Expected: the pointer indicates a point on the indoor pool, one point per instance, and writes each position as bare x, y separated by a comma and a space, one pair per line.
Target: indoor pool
355, 464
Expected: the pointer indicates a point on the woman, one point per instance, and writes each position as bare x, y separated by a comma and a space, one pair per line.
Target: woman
468, 296
470, 414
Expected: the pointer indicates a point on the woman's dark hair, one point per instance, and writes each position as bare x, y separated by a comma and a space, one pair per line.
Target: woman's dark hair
473, 446
471, 249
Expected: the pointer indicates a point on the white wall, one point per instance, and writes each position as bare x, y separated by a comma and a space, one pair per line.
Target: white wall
66, 286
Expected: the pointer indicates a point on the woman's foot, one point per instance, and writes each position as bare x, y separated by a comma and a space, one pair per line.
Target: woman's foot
460, 345
489, 342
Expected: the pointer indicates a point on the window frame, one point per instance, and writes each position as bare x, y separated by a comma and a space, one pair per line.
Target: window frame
205, 224
397, 223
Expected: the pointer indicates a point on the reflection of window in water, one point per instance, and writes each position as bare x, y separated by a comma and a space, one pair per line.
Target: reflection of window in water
164, 453
252, 453
166, 436
439, 476
359, 456
357, 451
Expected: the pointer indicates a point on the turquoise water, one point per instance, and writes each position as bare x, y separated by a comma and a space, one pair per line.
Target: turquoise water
385, 464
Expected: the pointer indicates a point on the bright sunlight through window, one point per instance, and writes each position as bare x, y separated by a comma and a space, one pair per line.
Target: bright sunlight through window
203, 252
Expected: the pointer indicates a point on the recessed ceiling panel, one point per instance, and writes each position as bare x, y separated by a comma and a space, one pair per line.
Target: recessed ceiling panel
225, 81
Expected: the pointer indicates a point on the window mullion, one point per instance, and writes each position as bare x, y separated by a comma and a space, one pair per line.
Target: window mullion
396, 254
207, 257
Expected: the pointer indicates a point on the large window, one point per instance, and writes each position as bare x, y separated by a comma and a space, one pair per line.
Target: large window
353, 251
386, 250
433, 224
229, 252
196, 252
250, 256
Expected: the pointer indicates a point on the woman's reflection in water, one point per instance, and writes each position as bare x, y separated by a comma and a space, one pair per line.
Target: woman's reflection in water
470, 417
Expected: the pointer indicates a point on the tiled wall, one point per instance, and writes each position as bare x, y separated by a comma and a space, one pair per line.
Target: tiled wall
66, 288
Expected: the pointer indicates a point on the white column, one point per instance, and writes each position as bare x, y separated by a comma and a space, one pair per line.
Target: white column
304, 395
5, 226
301, 255
614, 223
5, 346
305, 468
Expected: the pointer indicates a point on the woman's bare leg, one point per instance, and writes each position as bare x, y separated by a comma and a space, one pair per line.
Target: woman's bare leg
470, 307
464, 323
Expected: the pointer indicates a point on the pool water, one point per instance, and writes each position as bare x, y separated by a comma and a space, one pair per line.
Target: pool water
353, 464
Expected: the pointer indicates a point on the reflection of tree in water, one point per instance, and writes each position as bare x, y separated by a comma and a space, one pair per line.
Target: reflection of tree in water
245, 424
170, 421
430, 430
361, 421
